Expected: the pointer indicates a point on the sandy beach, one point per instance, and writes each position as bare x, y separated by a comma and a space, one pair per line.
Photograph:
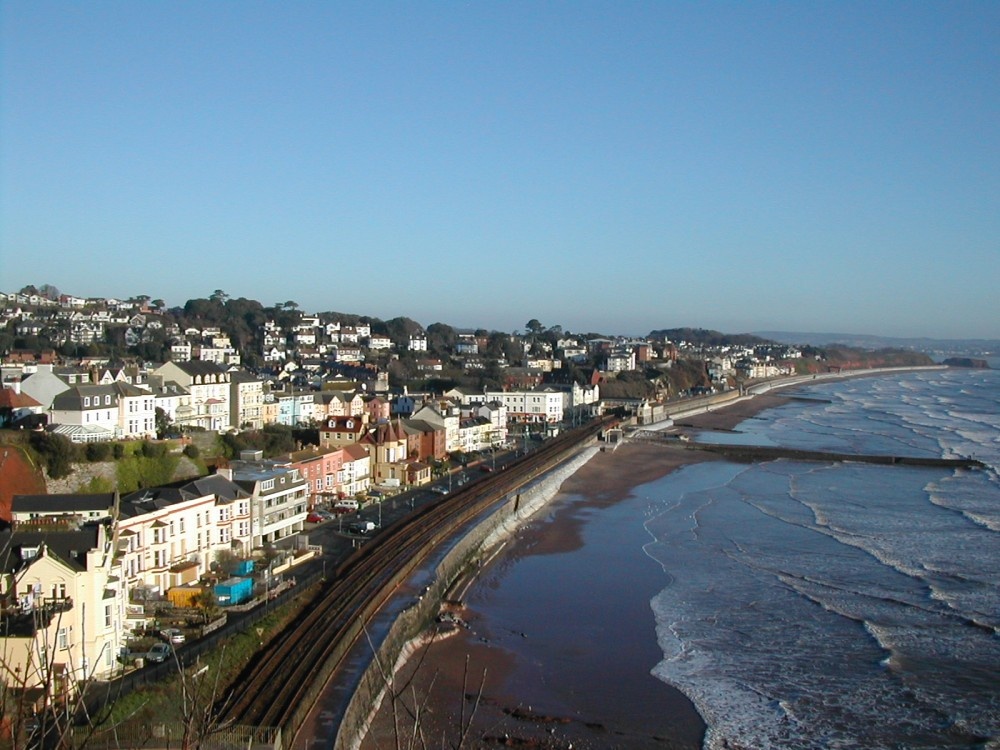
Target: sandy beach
518, 707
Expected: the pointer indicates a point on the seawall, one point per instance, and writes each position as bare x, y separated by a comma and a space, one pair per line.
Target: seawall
466, 553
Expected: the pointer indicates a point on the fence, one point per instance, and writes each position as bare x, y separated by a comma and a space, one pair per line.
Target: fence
172, 736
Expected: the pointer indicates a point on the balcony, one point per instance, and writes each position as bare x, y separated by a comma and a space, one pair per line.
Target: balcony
18, 622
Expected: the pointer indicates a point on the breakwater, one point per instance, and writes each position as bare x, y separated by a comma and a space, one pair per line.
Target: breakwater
751, 453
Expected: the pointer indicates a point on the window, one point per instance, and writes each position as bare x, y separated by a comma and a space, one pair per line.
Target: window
58, 590
62, 639
107, 615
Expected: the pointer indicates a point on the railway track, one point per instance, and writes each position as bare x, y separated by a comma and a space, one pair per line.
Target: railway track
274, 686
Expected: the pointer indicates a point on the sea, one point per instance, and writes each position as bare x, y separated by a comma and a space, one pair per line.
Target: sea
839, 605
795, 604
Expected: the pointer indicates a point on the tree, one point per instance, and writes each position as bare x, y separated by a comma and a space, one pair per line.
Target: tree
56, 451
441, 338
162, 422
534, 327
49, 292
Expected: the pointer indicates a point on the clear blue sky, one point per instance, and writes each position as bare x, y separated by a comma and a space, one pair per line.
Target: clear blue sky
604, 166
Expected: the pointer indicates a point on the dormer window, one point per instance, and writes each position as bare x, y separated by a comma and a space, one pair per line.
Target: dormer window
86, 401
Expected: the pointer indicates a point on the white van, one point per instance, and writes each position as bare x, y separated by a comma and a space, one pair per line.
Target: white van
346, 506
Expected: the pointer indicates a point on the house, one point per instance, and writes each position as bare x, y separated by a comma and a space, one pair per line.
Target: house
429, 365
495, 413
544, 404
466, 344
63, 609
475, 434
377, 408
295, 409
357, 469
173, 400
47, 382
339, 432
68, 509
17, 407
246, 400
170, 536
390, 456
279, 497
208, 384
444, 414
323, 470
88, 413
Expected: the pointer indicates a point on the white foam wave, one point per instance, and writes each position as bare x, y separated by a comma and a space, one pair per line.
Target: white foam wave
843, 606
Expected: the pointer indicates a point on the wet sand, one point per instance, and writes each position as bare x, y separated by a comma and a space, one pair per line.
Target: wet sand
552, 676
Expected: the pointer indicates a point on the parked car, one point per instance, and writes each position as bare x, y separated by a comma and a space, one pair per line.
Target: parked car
159, 652
172, 635
316, 517
361, 527
439, 489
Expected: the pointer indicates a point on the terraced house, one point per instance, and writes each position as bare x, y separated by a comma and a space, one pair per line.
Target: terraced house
209, 386
170, 536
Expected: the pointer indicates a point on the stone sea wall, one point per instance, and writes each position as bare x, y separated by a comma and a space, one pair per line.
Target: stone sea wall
467, 553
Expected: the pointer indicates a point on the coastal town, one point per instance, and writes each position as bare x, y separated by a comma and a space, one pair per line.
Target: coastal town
162, 463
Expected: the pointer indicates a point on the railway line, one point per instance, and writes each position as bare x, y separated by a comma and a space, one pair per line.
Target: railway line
272, 690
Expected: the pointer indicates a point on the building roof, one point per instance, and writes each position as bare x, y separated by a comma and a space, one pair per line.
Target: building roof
241, 376
356, 451
64, 503
69, 546
11, 399
72, 399
200, 367
152, 499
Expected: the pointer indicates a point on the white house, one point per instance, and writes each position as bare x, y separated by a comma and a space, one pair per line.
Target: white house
208, 384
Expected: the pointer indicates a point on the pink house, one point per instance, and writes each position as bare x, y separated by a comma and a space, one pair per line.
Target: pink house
322, 468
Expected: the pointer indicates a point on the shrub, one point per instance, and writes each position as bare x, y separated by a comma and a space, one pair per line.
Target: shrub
191, 451
153, 450
98, 451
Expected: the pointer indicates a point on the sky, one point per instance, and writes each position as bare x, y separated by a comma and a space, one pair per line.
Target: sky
613, 167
